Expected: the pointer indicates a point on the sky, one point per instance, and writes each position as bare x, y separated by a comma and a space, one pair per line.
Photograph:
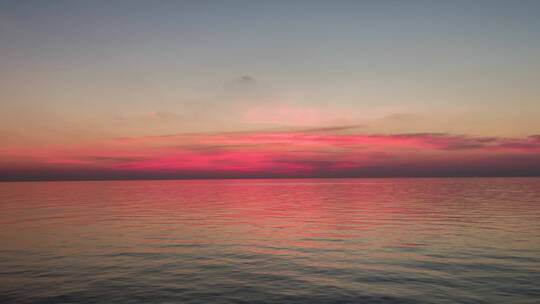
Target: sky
239, 89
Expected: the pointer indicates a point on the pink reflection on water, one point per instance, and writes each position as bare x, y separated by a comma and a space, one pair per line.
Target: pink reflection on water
278, 217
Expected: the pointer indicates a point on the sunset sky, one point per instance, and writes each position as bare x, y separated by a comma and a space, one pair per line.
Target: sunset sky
231, 89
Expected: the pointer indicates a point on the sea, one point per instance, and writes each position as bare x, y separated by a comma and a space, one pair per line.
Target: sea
403, 240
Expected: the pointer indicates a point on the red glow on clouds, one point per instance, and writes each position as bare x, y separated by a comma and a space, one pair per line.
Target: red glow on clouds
283, 154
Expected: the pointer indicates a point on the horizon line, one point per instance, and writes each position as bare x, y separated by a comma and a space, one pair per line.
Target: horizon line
259, 178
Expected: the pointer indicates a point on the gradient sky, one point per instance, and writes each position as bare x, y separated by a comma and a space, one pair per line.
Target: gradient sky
211, 89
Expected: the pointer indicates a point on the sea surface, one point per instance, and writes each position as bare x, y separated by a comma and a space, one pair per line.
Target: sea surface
441, 240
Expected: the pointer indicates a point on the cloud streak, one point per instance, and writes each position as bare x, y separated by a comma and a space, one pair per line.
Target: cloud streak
319, 136
308, 153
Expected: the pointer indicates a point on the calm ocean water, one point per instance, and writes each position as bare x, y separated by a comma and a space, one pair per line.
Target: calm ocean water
463, 240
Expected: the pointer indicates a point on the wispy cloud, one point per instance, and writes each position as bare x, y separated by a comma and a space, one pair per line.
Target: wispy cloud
320, 136
161, 115
311, 152
334, 128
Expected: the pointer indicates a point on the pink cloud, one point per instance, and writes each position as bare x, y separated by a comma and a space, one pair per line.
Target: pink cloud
313, 153
160, 115
434, 141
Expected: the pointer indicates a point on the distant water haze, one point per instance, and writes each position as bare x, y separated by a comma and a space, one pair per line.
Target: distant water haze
427, 240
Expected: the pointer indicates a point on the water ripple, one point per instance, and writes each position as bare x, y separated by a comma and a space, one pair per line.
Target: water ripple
271, 241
